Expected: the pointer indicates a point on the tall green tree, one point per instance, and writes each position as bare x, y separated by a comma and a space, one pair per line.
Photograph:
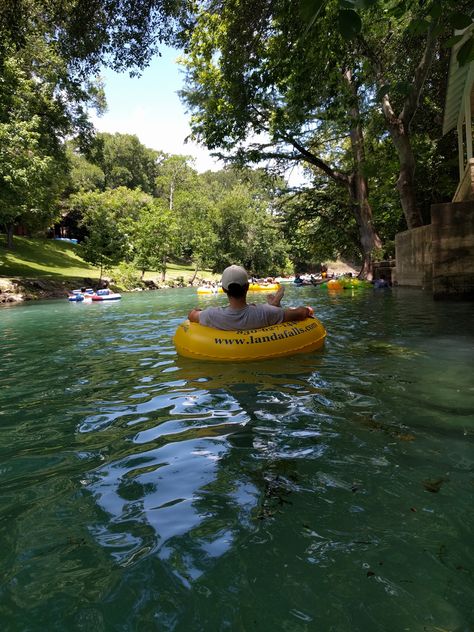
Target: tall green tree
83, 175
30, 179
106, 242
396, 44
89, 34
154, 238
49, 54
255, 90
33, 165
290, 81
125, 161
174, 174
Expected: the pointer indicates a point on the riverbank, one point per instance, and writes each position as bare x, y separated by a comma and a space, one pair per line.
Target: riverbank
18, 290
44, 268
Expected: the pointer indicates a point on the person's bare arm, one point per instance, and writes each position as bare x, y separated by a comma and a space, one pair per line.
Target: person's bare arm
193, 315
297, 313
275, 298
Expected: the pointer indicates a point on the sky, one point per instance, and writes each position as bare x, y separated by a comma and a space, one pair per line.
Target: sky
149, 107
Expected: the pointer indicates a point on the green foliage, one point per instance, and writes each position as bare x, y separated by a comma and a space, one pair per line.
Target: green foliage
319, 226
417, 18
174, 174
154, 238
125, 161
83, 175
30, 178
127, 276
255, 90
121, 34
105, 244
39, 106
246, 232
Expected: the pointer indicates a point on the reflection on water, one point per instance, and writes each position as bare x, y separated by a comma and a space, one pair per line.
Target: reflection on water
327, 491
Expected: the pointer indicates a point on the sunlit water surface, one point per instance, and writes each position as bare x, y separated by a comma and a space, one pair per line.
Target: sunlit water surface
331, 491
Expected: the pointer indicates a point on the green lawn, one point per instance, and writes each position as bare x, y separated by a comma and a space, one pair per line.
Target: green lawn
48, 258
34, 258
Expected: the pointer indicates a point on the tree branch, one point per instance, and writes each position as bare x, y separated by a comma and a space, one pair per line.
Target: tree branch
413, 98
334, 174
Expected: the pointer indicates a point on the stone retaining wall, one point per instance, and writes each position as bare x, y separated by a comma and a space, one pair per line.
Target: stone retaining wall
453, 250
440, 256
385, 269
414, 259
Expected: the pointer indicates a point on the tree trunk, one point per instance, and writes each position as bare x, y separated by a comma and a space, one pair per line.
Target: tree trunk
196, 267
369, 240
171, 195
10, 228
163, 270
358, 186
406, 176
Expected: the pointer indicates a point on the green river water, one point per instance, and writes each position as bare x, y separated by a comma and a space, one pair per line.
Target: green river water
323, 492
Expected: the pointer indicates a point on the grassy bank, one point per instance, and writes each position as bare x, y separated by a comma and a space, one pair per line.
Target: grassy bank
43, 258
58, 261
34, 258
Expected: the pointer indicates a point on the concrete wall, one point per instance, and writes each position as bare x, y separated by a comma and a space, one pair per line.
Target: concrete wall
385, 268
414, 262
453, 250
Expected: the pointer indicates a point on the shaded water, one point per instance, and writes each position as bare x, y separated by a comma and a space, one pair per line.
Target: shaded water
331, 491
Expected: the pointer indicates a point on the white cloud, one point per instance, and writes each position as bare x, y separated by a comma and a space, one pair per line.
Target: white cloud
166, 133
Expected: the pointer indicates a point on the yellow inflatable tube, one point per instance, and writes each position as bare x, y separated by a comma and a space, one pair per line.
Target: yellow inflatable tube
210, 290
256, 287
206, 343
253, 287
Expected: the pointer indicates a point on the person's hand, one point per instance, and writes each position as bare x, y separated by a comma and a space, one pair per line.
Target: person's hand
310, 311
275, 298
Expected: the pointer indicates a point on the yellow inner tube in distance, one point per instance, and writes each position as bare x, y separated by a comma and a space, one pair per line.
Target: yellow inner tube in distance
253, 287
206, 343
210, 290
266, 287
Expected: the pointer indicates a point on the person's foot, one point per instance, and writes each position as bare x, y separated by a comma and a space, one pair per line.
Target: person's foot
275, 297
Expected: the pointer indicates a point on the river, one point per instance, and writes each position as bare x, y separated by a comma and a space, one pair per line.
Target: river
331, 491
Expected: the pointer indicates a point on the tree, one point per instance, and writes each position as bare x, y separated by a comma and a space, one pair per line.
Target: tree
125, 161
175, 172
154, 238
397, 44
319, 226
282, 83
255, 94
48, 53
399, 86
246, 232
30, 179
457, 13
39, 107
83, 175
123, 35
106, 243
194, 210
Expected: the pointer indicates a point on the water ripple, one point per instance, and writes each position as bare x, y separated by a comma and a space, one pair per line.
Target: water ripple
327, 491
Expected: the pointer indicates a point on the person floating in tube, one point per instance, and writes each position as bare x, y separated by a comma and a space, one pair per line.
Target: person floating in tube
241, 315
